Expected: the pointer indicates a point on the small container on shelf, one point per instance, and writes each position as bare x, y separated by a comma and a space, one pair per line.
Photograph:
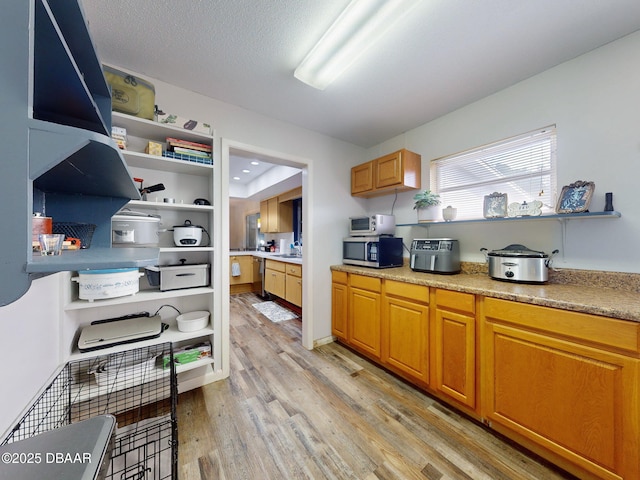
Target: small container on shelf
188, 354
193, 321
154, 148
107, 283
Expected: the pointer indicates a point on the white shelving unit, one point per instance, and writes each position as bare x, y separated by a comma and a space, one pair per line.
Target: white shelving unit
184, 181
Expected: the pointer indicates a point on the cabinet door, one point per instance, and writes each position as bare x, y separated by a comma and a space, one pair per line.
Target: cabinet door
245, 267
364, 331
399, 169
264, 216
405, 336
579, 402
272, 214
285, 216
362, 178
339, 305
293, 285
274, 282
455, 356
257, 263
388, 170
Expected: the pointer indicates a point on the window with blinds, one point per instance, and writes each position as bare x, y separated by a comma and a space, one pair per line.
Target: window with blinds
523, 167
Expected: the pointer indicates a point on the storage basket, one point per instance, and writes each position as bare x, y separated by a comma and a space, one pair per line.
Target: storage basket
81, 231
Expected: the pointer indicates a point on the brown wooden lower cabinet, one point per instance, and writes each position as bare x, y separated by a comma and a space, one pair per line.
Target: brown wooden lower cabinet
364, 314
564, 384
293, 284
405, 329
339, 304
563, 381
274, 278
455, 346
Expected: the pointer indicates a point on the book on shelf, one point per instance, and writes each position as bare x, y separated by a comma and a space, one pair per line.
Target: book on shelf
175, 142
193, 153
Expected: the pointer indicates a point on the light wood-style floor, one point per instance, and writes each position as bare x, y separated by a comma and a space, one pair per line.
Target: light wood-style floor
289, 413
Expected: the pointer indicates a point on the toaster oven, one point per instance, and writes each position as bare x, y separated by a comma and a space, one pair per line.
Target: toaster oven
372, 225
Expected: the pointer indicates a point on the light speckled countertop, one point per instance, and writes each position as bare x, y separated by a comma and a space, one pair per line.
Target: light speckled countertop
594, 298
272, 256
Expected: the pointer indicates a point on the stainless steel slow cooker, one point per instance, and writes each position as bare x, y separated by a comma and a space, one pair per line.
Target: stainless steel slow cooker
135, 229
517, 263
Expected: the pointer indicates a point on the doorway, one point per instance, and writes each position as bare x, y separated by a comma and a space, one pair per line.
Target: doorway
231, 150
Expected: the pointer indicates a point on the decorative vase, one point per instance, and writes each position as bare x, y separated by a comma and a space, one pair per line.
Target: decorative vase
449, 213
428, 214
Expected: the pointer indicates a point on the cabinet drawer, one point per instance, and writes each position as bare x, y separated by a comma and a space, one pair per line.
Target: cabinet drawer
294, 269
415, 293
275, 265
365, 283
463, 302
339, 277
605, 331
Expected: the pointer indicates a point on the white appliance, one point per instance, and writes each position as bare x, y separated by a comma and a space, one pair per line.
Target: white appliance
377, 224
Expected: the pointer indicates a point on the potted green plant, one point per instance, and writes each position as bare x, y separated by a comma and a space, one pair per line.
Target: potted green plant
426, 203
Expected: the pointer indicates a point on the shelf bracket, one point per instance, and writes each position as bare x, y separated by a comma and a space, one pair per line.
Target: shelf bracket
563, 235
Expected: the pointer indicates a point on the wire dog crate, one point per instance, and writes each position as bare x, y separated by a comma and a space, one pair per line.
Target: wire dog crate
138, 387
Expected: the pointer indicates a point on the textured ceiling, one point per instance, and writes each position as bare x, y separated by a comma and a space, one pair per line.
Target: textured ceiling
444, 55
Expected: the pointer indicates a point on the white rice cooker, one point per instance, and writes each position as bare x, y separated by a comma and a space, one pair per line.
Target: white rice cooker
188, 235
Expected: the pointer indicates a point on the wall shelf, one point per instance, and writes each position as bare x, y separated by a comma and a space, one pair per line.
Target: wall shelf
139, 297
93, 259
561, 217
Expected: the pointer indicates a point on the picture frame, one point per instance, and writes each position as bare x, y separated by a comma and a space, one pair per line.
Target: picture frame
525, 209
495, 205
576, 197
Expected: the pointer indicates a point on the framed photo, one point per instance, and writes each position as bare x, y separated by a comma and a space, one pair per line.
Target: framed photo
495, 205
524, 209
575, 198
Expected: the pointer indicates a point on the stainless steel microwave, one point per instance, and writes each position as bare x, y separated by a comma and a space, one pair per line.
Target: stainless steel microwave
372, 225
375, 252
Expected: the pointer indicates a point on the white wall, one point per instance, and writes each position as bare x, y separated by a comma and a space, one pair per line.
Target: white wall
29, 341
594, 101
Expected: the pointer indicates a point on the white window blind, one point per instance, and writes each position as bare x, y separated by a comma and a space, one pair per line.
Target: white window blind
523, 167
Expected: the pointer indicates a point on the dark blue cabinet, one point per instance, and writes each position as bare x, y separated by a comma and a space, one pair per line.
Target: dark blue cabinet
57, 155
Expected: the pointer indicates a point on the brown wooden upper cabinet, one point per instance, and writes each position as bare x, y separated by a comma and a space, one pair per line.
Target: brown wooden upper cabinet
399, 171
276, 213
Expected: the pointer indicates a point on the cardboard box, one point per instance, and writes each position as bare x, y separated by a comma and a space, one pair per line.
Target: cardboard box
188, 354
182, 122
154, 148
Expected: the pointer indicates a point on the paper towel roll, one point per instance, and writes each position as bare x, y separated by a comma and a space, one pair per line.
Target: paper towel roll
282, 247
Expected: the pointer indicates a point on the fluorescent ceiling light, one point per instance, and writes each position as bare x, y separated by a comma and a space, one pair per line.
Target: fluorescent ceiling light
356, 29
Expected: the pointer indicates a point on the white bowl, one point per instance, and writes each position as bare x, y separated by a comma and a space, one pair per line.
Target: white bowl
192, 321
